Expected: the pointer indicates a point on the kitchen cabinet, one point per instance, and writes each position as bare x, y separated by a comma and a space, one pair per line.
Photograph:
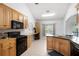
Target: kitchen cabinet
5, 48
25, 22
9, 48
5, 17
56, 44
49, 42
7, 14
64, 47
8, 17
15, 15
29, 41
21, 17
2, 9
60, 45
12, 46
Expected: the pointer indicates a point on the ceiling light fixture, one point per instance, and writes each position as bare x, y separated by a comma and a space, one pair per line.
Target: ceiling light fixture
48, 14
36, 3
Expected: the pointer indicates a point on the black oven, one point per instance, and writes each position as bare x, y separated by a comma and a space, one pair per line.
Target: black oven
21, 45
16, 24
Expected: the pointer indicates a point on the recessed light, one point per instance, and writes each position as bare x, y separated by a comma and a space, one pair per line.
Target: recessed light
48, 14
36, 3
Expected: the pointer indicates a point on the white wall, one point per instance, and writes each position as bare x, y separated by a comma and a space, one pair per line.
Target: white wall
22, 8
59, 25
71, 11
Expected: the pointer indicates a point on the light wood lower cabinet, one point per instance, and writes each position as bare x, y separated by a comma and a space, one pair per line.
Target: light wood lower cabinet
49, 42
60, 45
64, 47
29, 41
56, 44
12, 46
8, 47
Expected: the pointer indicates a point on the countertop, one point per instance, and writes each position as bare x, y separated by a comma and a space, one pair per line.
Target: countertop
6, 38
74, 40
59, 36
49, 34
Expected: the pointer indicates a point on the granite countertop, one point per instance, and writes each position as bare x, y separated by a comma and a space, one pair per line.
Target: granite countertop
49, 34
74, 40
59, 36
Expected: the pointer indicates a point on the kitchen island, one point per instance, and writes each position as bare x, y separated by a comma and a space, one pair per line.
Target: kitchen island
62, 44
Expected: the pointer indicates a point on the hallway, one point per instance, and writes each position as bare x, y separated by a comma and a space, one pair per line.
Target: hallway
38, 48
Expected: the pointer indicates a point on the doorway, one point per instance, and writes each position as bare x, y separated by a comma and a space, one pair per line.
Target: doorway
48, 29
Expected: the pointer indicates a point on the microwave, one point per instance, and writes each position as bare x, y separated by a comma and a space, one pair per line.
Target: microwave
16, 24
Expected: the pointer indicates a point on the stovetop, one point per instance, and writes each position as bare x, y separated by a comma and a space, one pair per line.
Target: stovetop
19, 36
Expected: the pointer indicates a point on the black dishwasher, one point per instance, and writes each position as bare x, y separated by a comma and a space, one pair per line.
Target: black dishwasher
74, 49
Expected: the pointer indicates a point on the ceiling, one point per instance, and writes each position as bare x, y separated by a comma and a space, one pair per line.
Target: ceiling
38, 9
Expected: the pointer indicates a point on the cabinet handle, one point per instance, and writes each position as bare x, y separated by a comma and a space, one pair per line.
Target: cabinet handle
1, 45
9, 47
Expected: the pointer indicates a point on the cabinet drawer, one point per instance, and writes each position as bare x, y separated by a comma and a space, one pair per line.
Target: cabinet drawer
5, 44
12, 43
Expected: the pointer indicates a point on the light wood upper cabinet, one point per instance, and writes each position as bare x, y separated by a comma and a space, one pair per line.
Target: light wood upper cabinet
8, 17
7, 14
25, 22
21, 17
5, 17
15, 15
2, 9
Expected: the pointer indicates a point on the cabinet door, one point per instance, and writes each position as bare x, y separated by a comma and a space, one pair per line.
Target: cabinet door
12, 47
56, 44
12, 51
49, 43
25, 22
29, 41
37, 25
15, 15
5, 48
8, 17
1, 15
0, 48
64, 47
21, 17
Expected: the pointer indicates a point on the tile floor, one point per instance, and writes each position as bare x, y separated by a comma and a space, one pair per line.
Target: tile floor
38, 48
